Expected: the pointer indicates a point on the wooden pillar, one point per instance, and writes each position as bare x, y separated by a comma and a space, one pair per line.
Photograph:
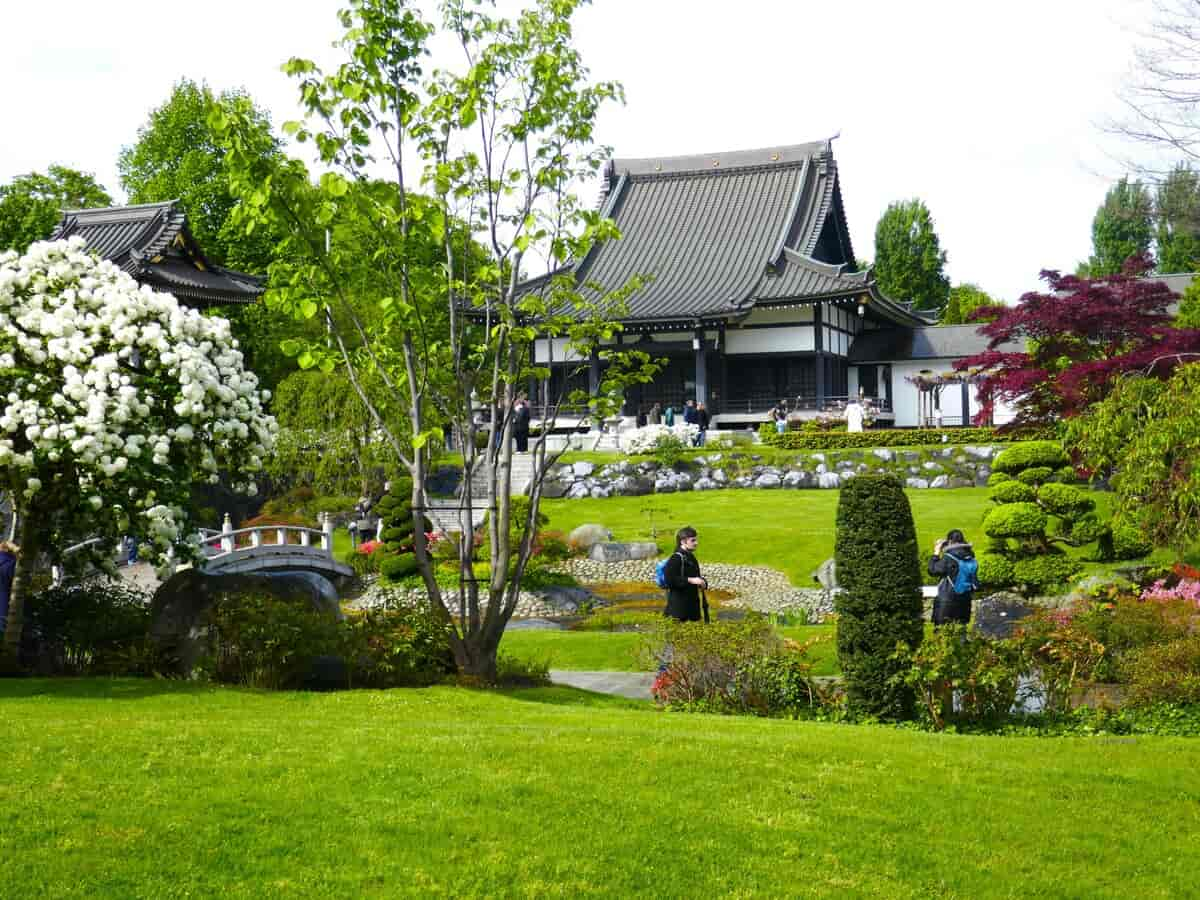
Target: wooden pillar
722, 372
819, 346
701, 370
594, 372
966, 403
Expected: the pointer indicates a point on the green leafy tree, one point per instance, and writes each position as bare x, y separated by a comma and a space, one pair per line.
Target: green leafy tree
909, 261
1177, 220
880, 607
31, 205
1146, 433
502, 138
1122, 228
964, 300
1189, 307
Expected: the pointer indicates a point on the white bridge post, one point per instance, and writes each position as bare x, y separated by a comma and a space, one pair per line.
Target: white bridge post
327, 535
226, 534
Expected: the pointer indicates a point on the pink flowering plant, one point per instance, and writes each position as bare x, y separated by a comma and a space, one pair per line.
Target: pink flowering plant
1187, 589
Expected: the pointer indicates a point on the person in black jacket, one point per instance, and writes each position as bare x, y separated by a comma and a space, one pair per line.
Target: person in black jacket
947, 554
521, 417
8, 568
684, 581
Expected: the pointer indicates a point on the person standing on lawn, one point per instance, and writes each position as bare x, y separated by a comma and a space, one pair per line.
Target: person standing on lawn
521, 417
8, 568
684, 581
954, 560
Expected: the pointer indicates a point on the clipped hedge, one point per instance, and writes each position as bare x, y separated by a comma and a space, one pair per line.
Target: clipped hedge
995, 570
1125, 540
1045, 570
1064, 500
998, 478
1029, 455
1012, 492
888, 437
878, 567
1035, 475
1015, 520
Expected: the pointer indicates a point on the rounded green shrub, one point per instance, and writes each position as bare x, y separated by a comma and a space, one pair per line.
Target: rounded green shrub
400, 566
1015, 520
1035, 475
1032, 453
1066, 475
1040, 572
995, 570
1087, 528
998, 478
1012, 492
878, 567
1064, 500
1126, 540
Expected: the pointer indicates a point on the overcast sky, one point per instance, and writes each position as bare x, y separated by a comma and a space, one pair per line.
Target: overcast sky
988, 112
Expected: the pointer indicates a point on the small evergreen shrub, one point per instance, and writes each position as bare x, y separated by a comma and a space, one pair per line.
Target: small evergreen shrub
1014, 520
995, 570
1029, 455
1009, 491
1042, 572
92, 627
1125, 540
394, 568
1166, 672
1035, 476
880, 606
997, 478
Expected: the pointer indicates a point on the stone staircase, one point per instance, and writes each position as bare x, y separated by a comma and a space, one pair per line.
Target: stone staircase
522, 474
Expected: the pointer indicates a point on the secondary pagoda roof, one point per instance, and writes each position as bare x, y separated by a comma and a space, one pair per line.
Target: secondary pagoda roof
152, 242
722, 233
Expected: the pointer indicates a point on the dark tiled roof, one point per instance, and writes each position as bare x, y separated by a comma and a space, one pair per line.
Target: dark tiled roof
717, 233
940, 342
152, 242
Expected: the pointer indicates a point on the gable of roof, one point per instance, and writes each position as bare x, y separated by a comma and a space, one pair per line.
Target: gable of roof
717, 233
152, 242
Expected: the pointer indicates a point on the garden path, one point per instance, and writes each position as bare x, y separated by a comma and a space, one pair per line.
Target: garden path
634, 685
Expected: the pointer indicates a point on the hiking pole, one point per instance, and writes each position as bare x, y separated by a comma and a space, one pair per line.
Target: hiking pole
704, 604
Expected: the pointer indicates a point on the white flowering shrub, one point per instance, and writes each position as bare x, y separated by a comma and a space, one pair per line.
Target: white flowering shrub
650, 438
114, 399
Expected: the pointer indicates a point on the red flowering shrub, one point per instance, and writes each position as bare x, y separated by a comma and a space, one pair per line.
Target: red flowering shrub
368, 547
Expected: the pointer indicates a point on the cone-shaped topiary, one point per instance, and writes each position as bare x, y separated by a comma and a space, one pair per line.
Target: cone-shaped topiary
877, 565
395, 509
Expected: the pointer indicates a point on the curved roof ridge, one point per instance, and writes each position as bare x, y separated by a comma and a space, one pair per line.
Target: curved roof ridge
98, 211
790, 154
803, 259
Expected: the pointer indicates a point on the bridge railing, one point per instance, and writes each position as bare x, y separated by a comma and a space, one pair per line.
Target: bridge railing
218, 543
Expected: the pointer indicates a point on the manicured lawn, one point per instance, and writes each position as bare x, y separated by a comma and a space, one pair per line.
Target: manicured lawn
602, 651
162, 789
792, 531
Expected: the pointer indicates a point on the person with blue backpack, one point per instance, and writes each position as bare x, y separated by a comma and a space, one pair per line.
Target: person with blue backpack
954, 560
680, 574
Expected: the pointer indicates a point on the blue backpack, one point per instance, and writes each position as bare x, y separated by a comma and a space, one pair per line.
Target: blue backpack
660, 572
965, 579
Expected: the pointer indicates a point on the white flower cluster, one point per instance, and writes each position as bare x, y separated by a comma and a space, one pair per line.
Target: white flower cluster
644, 440
117, 388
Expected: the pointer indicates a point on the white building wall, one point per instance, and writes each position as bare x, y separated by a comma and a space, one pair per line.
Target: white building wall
905, 395
542, 348
769, 340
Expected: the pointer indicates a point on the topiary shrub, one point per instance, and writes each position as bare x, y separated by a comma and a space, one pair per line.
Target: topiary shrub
1124, 540
1035, 515
1030, 454
998, 478
395, 509
877, 565
1010, 491
1015, 520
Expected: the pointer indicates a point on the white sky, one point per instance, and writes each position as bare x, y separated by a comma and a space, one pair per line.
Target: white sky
988, 112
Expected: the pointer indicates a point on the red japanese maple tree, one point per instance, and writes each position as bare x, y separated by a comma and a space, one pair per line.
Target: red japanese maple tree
1077, 337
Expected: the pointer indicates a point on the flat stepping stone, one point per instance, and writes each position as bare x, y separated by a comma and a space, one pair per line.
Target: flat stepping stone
633, 685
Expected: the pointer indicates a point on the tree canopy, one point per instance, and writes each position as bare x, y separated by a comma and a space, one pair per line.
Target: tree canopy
1078, 336
31, 205
1177, 220
1121, 229
969, 303
177, 157
909, 262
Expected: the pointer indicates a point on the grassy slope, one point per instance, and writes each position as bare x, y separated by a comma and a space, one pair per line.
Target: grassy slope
602, 651
120, 788
792, 531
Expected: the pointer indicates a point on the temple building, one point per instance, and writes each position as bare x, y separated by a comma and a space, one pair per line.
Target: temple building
152, 242
754, 295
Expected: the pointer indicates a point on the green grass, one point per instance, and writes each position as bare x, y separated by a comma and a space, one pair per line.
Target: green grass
601, 651
792, 531
162, 789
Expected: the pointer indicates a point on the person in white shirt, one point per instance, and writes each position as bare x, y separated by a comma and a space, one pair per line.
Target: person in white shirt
854, 416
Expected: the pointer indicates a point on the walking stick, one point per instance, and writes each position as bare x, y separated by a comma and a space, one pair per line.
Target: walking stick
704, 604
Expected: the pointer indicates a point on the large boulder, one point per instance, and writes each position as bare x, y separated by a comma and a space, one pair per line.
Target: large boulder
797, 479
768, 480
613, 551
179, 613
588, 535
828, 480
583, 469
996, 614
563, 599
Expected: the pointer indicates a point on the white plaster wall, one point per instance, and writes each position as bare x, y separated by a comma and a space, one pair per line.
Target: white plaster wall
541, 348
904, 395
779, 316
768, 340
